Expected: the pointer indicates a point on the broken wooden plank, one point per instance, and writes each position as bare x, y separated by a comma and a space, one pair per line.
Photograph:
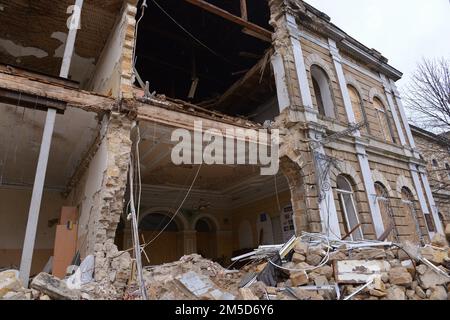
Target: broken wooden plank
359, 271
57, 91
231, 17
254, 74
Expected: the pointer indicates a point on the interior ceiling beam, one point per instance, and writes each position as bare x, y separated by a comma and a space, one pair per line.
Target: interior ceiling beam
255, 71
31, 101
264, 33
33, 85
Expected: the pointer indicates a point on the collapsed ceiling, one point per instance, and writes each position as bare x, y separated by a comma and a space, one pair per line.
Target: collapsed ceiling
188, 53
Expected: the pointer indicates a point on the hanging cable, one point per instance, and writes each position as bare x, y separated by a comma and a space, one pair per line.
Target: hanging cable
135, 234
178, 210
136, 31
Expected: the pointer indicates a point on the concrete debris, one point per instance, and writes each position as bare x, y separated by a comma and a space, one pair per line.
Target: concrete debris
396, 293
430, 278
400, 276
247, 294
306, 268
438, 293
192, 277
54, 287
9, 282
309, 267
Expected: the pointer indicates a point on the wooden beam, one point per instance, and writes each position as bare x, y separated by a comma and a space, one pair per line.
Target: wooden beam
244, 13
238, 84
264, 33
37, 87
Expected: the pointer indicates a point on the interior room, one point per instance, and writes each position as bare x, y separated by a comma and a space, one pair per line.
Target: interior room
21, 130
215, 210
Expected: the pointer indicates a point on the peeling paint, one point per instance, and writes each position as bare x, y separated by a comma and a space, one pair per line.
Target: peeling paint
18, 51
81, 68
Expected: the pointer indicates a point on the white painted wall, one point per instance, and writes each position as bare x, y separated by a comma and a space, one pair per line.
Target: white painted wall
106, 78
14, 206
84, 194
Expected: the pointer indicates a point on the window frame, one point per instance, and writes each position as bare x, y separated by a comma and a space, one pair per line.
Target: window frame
350, 88
322, 79
351, 194
380, 108
409, 203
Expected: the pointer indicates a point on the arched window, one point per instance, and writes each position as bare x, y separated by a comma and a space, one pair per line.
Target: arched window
357, 106
383, 120
348, 208
322, 92
409, 212
384, 204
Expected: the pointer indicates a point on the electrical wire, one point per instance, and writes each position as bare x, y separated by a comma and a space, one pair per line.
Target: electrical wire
136, 31
135, 231
177, 211
138, 171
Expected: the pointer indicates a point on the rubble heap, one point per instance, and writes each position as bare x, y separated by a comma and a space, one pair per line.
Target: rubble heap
192, 277
310, 267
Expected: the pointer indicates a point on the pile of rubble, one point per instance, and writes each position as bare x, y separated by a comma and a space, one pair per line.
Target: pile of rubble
310, 268
192, 277
43, 287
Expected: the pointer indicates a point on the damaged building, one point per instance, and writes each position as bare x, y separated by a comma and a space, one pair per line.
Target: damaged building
92, 91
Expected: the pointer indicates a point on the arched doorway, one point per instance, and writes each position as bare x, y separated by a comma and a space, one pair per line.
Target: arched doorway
206, 238
171, 239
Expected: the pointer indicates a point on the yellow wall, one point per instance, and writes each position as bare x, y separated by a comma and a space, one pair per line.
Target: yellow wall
251, 212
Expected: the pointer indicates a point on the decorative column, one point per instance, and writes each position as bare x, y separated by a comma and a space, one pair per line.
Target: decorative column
403, 117
420, 194
388, 91
363, 159
429, 195
334, 51
280, 81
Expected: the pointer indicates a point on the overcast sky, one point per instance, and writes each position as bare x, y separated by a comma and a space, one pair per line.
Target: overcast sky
404, 31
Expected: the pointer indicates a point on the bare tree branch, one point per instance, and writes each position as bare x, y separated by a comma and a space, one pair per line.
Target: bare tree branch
428, 95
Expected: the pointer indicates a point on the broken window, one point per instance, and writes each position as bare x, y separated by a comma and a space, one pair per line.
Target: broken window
410, 213
322, 92
358, 107
348, 208
383, 120
384, 204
